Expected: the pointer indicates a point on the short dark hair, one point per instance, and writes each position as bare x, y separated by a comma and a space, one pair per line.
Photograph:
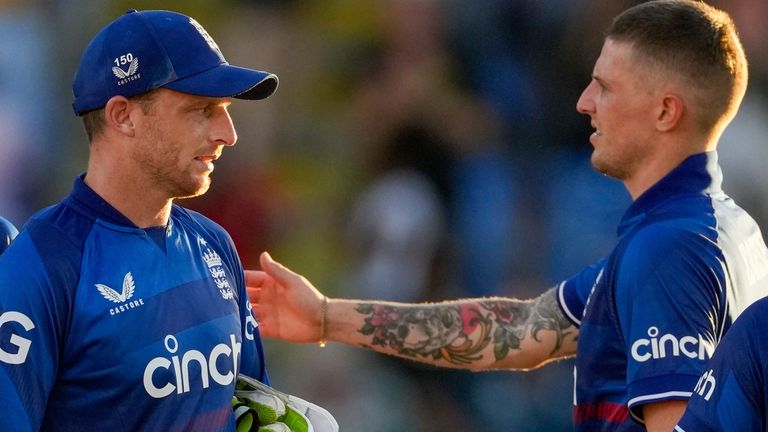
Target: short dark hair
94, 121
696, 41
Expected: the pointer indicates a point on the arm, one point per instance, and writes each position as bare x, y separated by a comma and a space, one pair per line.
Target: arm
31, 324
663, 416
478, 334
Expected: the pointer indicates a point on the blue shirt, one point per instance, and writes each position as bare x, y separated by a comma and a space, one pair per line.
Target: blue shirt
104, 327
687, 262
731, 394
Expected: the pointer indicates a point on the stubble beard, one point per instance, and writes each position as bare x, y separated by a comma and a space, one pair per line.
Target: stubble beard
618, 165
159, 160
610, 169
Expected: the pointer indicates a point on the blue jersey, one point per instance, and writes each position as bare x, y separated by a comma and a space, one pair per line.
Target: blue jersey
687, 262
731, 393
105, 326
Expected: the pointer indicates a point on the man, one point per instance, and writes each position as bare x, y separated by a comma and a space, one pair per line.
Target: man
731, 394
643, 320
120, 310
7, 233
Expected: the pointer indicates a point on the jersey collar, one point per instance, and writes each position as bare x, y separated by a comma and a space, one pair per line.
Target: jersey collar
699, 174
82, 195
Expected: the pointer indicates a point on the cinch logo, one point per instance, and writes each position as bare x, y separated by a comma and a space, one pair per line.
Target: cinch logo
177, 367
659, 347
20, 356
706, 384
250, 323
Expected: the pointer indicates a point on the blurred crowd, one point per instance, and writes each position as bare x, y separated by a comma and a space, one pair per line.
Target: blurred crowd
415, 150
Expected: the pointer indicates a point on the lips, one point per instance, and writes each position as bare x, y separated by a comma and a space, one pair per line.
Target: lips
597, 130
207, 161
596, 134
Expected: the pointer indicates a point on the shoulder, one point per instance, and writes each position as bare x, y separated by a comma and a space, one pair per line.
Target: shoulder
672, 240
744, 349
744, 346
46, 256
671, 257
57, 234
730, 394
751, 326
193, 217
202, 225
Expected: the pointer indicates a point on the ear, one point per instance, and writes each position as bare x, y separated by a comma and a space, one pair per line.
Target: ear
117, 113
670, 112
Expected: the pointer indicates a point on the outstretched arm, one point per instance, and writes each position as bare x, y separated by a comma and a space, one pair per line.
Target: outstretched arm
478, 334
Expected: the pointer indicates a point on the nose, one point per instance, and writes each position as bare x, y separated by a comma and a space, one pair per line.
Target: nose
223, 132
586, 102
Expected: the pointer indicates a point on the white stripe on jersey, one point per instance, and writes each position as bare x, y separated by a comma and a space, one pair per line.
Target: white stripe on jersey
568, 312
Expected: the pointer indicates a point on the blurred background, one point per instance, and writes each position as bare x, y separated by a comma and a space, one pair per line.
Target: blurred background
415, 150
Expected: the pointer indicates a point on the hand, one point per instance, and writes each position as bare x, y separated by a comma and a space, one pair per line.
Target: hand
285, 304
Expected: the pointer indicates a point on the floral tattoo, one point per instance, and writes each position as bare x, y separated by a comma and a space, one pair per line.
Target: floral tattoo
428, 332
458, 333
516, 319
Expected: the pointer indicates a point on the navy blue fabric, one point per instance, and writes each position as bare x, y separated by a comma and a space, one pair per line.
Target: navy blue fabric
731, 393
687, 262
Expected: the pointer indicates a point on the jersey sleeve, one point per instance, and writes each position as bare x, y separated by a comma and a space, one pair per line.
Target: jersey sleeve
33, 318
730, 394
670, 302
573, 293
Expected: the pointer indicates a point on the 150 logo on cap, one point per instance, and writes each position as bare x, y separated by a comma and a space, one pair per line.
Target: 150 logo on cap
130, 74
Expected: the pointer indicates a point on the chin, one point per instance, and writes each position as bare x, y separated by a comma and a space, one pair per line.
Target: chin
603, 167
193, 189
202, 189
596, 162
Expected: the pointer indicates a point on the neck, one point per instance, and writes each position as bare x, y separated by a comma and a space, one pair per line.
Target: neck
132, 196
657, 167
643, 180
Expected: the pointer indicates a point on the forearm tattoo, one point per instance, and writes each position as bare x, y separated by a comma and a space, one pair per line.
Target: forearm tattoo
458, 333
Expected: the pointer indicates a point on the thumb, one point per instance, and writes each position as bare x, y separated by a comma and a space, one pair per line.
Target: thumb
273, 268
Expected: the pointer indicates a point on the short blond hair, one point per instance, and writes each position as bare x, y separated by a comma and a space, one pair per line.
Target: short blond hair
94, 121
699, 43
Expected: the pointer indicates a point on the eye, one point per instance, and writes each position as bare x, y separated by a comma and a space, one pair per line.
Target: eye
206, 110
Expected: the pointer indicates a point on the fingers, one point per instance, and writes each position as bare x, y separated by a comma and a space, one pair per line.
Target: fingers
254, 294
266, 328
271, 269
275, 269
255, 278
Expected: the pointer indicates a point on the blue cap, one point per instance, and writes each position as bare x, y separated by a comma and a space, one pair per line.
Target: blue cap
142, 51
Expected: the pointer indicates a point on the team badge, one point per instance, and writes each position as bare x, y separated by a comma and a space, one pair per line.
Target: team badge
216, 269
207, 38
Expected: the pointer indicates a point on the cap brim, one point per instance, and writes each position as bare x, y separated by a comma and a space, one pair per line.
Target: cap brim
226, 80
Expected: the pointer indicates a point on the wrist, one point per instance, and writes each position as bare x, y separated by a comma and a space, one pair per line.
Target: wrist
323, 322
